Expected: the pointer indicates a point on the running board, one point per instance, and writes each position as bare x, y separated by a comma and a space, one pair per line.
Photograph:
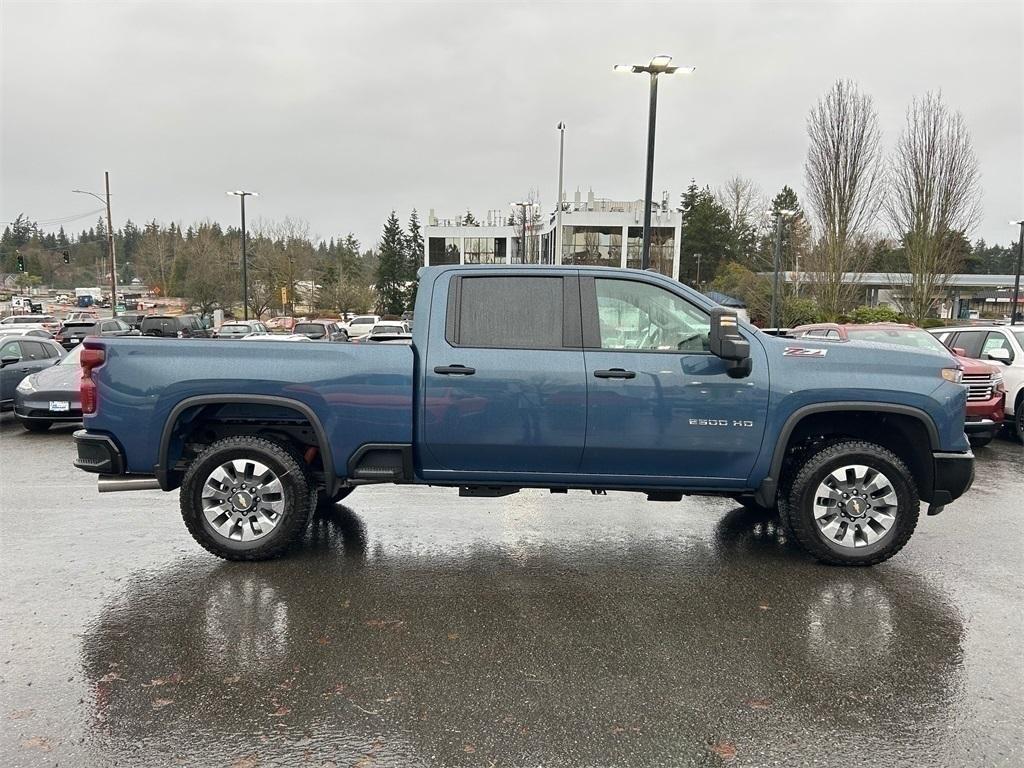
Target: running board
114, 483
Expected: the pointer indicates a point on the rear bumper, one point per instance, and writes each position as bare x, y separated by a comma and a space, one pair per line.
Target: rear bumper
954, 474
98, 453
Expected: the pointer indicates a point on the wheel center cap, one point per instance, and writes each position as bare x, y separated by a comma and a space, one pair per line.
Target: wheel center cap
242, 501
856, 507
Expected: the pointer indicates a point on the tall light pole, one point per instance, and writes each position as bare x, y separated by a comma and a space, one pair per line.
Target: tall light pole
1016, 277
659, 65
110, 240
776, 263
558, 215
241, 194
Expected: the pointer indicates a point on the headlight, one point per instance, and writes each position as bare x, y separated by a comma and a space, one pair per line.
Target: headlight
997, 382
25, 385
954, 375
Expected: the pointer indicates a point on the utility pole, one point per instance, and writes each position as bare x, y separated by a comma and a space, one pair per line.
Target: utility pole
110, 240
558, 214
241, 194
776, 265
1016, 277
522, 249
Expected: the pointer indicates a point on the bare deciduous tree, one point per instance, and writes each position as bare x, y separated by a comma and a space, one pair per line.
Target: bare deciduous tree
934, 200
844, 178
743, 199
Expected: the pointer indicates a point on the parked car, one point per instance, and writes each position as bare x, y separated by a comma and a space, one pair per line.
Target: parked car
81, 317
49, 322
134, 319
985, 394
32, 331
281, 324
21, 357
1001, 345
174, 326
360, 325
389, 326
385, 331
321, 330
50, 396
71, 334
849, 438
240, 329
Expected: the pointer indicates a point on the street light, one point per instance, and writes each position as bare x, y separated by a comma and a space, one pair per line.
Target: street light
776, 262
110, 240
1016, 277
660, 65
241, 194
557, 256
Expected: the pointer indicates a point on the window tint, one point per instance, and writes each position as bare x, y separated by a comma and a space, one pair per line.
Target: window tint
996, 340
33, 350
970, 341
635, 315
160, 326
511, 312
50, 350
11, 349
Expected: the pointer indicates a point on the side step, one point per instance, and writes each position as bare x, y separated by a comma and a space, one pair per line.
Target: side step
487, 491
113, 483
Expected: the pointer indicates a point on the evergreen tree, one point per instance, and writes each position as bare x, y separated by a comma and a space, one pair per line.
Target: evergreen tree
705, 230
391, 268
413, 257
469, 220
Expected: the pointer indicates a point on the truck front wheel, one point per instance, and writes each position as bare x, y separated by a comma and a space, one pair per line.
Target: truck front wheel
851, 503
246, 498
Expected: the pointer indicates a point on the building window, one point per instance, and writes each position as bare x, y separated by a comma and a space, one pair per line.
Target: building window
482, 250
592, 246
663, 246
444, 250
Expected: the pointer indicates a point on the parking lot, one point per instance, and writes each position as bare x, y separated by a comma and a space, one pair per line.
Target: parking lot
415, 628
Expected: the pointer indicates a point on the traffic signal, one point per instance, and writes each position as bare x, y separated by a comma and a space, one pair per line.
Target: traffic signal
67, 256
21, 263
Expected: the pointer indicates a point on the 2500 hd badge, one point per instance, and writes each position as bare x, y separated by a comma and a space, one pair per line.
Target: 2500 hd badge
721, 423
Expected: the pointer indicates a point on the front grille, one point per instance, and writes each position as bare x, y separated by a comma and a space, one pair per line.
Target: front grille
979, 386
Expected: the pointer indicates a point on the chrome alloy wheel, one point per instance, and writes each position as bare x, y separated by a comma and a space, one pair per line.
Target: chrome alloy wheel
855, 506
243, 500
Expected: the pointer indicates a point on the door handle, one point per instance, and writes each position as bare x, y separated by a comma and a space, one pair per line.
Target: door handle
615, 373
454, 370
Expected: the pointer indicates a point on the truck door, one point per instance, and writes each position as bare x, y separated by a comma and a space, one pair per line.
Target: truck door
504, 385
660, 404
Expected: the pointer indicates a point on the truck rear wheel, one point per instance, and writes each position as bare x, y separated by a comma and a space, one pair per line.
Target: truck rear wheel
246, 498
851, 503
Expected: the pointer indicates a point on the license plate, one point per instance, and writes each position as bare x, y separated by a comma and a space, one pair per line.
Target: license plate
59, 405
74, 341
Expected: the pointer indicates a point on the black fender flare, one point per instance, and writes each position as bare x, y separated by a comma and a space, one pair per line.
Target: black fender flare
162, 471
765, 493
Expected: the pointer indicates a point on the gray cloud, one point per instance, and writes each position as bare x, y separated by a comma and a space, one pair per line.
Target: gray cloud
339, 112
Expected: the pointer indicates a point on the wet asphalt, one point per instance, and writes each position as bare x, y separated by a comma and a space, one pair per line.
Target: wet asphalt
417, 628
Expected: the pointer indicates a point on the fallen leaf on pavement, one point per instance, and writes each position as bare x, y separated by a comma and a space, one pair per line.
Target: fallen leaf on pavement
724, 750
20, 714
757, 703
249, 761
161, 703
37, 742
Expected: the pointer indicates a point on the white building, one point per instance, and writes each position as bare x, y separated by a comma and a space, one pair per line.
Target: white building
595, 232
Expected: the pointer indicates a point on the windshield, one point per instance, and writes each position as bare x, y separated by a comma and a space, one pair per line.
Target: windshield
310, 329
904, 337
363, 321
1020, 337
71, 358
235, 330
378, 329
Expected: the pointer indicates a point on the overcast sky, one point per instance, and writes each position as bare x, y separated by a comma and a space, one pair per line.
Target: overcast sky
338, 112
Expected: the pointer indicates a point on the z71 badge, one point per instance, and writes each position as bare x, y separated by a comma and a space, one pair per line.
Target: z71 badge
804, 352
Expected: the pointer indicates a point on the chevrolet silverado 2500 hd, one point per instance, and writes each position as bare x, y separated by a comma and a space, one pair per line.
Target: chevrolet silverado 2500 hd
535, 377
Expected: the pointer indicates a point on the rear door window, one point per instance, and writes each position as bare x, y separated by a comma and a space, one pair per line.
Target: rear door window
33, 350
510, 313
970, 342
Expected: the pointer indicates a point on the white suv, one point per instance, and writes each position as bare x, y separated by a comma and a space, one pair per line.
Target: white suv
1000, 344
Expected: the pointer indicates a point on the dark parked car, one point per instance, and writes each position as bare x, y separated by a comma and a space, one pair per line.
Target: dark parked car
134, 319
21, 357
71, 335
321, 330
175, 327
51, 395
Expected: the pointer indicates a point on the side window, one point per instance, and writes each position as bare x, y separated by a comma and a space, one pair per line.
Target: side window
196, 325
970, 342
832, 334
33, 350
11, 349
996, 340
510, 313
640, 316
943, 337
49, 351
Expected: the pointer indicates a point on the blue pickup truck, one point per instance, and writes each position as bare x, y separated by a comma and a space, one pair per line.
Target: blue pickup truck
535, 377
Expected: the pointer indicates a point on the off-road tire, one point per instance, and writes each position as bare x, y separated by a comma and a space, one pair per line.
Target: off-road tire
1019, 418
797, 510
300, 495
980, 441
37, 426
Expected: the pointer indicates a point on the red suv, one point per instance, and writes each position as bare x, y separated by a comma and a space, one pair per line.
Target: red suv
985, 391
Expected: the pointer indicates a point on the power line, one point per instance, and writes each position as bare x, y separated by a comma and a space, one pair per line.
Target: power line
59, 219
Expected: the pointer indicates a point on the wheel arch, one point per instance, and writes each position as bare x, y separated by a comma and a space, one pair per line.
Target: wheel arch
166, 475
907, 431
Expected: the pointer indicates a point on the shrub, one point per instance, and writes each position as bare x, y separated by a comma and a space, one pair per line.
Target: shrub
879, 314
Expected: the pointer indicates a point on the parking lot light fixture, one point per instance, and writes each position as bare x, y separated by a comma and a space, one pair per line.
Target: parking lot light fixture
241, 194
659, 65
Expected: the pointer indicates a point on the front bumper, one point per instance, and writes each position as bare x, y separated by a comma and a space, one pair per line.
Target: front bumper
30, 410
954, 474
98, 453
982, 426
